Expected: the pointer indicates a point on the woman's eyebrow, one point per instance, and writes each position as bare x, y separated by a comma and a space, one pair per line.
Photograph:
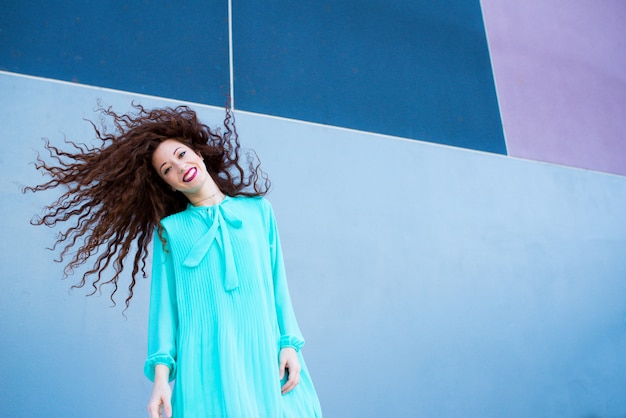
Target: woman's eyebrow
174, 153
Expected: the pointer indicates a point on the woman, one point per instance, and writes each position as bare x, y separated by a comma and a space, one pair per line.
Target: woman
221, 322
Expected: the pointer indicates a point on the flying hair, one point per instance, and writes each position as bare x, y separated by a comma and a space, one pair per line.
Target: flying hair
113, 200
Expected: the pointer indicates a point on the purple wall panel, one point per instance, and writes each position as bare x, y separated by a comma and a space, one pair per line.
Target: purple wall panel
559, 71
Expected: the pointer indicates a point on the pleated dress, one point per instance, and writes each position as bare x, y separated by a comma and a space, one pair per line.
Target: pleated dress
220, 313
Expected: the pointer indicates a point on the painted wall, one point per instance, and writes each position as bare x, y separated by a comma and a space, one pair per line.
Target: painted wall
559, 70
166, 48
428, 280
414, 69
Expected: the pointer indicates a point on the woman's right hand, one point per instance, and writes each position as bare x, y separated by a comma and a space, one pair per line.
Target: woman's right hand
161, 399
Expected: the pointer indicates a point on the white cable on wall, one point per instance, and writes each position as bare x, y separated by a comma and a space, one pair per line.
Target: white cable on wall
230, 54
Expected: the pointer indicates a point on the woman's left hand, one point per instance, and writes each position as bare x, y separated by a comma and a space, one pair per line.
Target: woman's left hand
288, 359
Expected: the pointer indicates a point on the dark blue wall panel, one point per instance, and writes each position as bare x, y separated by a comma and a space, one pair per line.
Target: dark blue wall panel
159, 47
416, 69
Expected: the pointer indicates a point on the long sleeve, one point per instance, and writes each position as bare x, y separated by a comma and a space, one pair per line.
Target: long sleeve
290, 335
162, 321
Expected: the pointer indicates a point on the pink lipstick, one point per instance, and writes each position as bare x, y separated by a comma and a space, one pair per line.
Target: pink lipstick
190, 174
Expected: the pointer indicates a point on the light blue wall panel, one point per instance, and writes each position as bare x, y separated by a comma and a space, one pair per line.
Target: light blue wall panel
447, 282
428, 280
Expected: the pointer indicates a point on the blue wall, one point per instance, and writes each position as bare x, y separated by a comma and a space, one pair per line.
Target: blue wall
428, 280
171, 49
417, 69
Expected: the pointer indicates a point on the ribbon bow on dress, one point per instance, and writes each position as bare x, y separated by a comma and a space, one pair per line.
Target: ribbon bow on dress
218, 231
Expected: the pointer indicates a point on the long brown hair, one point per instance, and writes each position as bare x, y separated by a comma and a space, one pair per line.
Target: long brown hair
117, 199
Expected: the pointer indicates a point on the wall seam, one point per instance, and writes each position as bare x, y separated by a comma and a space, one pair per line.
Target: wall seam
230, 55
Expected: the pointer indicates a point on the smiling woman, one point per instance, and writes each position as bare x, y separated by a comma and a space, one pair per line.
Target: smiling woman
184, 171
97, 186
221, 319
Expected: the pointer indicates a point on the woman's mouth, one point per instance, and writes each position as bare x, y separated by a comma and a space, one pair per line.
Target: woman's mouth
190, 174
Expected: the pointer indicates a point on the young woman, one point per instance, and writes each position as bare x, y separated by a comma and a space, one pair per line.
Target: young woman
221, 323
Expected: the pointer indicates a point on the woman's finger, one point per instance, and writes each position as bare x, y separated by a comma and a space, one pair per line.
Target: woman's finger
153, 410
292, 382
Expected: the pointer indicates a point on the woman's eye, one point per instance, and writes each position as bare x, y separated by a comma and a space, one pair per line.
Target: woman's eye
167, 170
182, 154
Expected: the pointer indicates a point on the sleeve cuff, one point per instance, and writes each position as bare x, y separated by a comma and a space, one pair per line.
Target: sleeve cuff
152, 361
291, 341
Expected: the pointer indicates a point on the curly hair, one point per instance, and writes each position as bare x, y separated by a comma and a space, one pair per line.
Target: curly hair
117, 198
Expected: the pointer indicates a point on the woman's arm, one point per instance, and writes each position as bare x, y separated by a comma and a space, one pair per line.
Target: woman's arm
291, 340
160, 404
163, 316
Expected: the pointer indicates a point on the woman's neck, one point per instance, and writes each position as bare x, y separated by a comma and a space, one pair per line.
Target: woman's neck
206, 199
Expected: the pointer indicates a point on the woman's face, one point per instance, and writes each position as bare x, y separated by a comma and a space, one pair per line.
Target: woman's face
180, 166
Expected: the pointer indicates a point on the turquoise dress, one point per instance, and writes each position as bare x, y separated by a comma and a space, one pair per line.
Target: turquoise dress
220, 312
